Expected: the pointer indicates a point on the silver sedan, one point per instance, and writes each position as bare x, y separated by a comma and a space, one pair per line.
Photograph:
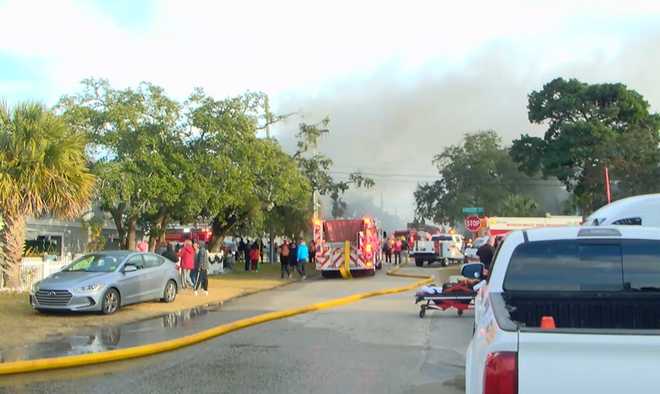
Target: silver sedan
105, 281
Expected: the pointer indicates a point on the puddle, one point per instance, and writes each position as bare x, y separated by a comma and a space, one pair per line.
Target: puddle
92, 340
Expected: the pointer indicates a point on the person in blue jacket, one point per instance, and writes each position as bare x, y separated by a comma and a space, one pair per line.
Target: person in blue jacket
302, 257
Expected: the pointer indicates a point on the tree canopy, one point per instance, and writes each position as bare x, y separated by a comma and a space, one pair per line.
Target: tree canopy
477, 173
590, 127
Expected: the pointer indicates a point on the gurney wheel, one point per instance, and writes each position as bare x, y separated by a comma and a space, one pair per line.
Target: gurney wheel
422, 313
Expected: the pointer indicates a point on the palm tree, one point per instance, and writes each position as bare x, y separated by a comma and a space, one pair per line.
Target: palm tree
43, 170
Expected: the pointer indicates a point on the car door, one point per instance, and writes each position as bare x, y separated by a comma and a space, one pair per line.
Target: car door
154, 276
130, 283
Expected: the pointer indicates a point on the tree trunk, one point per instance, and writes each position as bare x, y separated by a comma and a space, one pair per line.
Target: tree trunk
159, 226
131, 226
118, 218
14, 243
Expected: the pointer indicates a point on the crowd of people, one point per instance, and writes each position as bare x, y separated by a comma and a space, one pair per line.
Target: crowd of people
294, 256
396, 247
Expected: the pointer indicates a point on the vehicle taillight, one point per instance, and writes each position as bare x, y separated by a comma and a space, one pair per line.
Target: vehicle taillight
501, 373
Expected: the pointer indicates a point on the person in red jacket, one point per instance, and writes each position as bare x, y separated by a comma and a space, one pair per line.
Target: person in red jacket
187, 255
255, 256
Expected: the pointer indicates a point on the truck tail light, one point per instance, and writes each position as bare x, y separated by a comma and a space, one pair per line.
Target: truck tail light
501, 373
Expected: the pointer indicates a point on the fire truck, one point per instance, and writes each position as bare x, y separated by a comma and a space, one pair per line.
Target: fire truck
346, 247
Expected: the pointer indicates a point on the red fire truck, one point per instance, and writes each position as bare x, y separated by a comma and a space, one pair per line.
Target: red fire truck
346, 247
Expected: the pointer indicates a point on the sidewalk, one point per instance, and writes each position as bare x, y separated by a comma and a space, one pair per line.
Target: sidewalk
21, 325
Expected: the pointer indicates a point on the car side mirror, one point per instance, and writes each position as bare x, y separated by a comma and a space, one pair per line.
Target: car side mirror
473, 270
129, 268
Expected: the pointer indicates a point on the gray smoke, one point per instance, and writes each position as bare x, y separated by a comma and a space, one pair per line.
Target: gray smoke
392, 126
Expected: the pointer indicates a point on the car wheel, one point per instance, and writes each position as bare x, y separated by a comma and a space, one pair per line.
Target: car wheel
419, 262
169, 294
110, 302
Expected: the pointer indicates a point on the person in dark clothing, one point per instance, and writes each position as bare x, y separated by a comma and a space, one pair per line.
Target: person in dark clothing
202, 268
246, 254
293, 257
284, 259
170, 254
485, 253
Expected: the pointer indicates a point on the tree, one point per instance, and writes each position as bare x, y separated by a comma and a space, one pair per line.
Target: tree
43, 170
477, 173
136, 142
519, 205
591, 127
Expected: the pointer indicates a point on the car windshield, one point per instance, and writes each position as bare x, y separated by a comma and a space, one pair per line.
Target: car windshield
94, 263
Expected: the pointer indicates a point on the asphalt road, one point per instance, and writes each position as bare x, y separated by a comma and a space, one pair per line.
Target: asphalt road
378, 345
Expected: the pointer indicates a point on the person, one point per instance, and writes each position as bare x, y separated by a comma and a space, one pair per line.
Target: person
246, 255
284, 259
202, 268
302, 257
261, 250
388, 249
187, 255
398, 246
485, 252
254, 256
404, 249
170, 254
293, 256
312, 252
193, 272
142, 246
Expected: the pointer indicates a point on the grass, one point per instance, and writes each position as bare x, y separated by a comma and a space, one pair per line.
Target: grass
21, 325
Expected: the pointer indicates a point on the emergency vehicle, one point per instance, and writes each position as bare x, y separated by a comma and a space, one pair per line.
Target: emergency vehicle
347, 246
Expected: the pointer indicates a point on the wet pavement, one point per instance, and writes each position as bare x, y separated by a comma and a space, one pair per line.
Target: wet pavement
375, 345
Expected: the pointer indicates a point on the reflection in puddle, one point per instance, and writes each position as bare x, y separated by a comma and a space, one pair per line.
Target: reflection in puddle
109, 338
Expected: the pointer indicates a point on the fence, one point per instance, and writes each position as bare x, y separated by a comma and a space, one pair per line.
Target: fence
35, 269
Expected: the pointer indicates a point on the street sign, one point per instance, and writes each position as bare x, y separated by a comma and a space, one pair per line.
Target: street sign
473, 223
473, 211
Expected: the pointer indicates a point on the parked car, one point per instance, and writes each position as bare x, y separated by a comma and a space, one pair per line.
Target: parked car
568, 310
106, 281
643, 210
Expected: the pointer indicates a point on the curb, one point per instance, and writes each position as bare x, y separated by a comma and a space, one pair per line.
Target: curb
43, 364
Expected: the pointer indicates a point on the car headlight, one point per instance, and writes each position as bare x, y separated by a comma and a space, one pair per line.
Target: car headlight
91, 288
35, 287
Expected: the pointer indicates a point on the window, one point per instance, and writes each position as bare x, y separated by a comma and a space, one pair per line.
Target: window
151, 260
566, 265
629, 222
94, 263
136, 261
641, 265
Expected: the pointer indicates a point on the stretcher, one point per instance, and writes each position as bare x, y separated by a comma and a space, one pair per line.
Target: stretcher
459, 295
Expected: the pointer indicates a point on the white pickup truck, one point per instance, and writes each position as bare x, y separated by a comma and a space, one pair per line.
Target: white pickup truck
445, 248
597, 292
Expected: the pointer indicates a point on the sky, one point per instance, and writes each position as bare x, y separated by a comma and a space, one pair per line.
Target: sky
400, 80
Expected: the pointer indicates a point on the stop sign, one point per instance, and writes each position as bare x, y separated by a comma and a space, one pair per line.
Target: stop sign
472, 223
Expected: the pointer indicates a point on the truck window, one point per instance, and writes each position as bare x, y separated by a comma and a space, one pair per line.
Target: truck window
565, 265
628, 222
641, 265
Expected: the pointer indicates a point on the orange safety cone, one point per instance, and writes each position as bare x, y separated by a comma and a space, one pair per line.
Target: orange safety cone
548, 323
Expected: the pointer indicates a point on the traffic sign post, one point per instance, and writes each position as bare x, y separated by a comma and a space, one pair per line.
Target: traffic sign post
473, 223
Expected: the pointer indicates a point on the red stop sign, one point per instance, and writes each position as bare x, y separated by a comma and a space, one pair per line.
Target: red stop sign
472, 223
